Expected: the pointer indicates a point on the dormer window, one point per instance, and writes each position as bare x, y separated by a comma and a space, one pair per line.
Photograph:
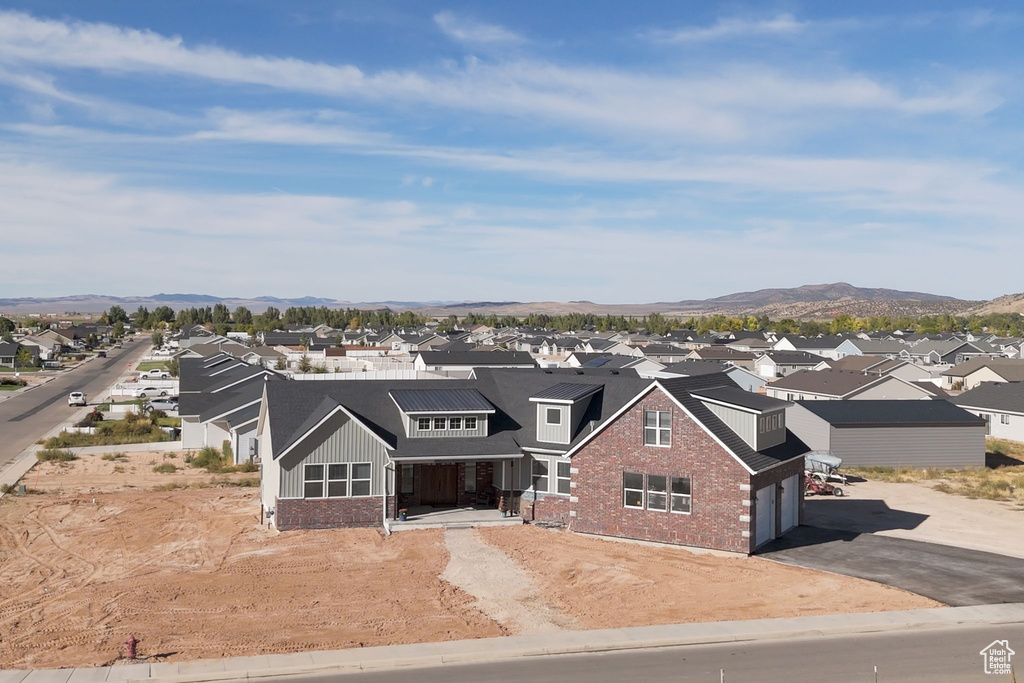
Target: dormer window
470, 423
553, 416
455, 423
443, 413
440, 423
560, 410
423, 424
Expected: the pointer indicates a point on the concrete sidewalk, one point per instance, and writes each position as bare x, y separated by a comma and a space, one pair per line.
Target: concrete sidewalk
357, 660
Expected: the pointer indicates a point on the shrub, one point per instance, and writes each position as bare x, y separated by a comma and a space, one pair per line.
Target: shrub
155, 415
209, 459
248, 466
12, 382
91, 419
165, 468
51, 454
118, 457
226, 449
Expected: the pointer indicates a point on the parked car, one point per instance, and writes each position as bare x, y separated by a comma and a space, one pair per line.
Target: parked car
146, 392
76, 398
164, 404
155, 373
101, 354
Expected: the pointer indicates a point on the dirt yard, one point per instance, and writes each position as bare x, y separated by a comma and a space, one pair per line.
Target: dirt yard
613, 584
109, 548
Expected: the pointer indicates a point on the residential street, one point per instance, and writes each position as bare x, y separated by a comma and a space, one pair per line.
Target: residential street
26, 417
932, 655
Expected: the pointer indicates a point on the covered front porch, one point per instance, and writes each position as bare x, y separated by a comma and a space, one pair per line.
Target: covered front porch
430, 517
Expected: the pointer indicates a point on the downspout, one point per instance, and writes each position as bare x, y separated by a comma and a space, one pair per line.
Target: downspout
388, 468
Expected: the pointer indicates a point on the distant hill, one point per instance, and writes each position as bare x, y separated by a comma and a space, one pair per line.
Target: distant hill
1008, 303
808, 302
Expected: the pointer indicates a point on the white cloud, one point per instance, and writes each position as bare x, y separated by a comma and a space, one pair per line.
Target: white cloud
467, 30
731, 104
734, 27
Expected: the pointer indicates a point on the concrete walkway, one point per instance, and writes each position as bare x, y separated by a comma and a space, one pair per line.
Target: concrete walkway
357, 660
503, 590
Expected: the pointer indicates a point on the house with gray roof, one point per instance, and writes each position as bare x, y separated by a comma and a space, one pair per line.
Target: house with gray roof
974, 372
891, 433
1000, 405
692, 461
844, 385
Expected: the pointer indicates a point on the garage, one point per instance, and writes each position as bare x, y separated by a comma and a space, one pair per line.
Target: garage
916, 434
764, 509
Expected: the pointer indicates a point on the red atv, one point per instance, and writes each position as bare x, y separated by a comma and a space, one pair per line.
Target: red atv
816, 485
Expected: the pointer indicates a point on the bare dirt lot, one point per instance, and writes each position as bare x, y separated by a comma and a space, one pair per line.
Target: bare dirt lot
107, 548
612, 584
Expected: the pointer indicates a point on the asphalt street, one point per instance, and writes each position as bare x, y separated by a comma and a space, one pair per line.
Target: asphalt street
27, 416
932, 655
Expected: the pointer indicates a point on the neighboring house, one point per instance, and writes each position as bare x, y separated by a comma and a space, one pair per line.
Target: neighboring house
9, 354
949, 352
598, 345
691, 461
465, 361
819, 346
662, 353
724, 353
891, 433
1000, 405
869, 347
263, 356
972, 373
834, 385
47, 348
743, 378
214, 394
772, 364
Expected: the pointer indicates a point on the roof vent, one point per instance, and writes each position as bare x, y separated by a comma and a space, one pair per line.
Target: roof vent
547, 372
615, 372
579, 372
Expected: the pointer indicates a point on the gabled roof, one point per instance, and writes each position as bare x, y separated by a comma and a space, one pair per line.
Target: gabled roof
813, 343
474, 359
569, 392
826, 382
735, 396
694, 367
1010, 369
995, 396
891, 413
791, 357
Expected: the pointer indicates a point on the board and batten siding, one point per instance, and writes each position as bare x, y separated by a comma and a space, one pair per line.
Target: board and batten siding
558, 433
339, 440
941, 447
810, 428
891, 390
744, 424
413, 430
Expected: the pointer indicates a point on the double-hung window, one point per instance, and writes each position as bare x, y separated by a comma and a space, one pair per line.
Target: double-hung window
656, 492
540, 475
681, 495
313, 481
633, 490
336, 480
562, 476
657, 428
361, 472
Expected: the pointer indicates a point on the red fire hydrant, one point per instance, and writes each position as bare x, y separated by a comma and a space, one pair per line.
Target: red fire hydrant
130, 645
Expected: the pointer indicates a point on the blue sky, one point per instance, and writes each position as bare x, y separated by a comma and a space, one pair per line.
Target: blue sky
606, 151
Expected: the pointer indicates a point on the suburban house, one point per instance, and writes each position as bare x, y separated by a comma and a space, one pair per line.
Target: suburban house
462, 363
819, 346
1000, 405
869, 347
218, 401
772, 364
972, 373
949, 352
834, 385
692, 461
891, 433
742, 377
9, 354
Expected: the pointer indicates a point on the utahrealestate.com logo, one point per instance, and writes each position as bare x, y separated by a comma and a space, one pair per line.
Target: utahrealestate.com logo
997, 657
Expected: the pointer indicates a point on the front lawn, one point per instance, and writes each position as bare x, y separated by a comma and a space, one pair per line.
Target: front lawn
111, 432
151, 365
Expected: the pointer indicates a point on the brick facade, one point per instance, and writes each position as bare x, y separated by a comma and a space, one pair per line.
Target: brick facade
327, 513
719, 517
546, 508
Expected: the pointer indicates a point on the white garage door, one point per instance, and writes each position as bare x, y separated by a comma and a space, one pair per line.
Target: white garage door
765, 502
790, 503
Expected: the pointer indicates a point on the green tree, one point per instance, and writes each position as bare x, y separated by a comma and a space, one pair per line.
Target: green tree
115, 315
140, 319
158, 339
281, 364
24, 358
221, 315
242, 317
118, 330
305, 364
7, 325
173, 367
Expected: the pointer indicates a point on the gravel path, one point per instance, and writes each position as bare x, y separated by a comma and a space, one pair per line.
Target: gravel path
503, 590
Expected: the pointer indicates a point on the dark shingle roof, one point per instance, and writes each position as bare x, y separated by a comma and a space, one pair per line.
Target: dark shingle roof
683, 389
996, 396
440, 400
692, 368
891, 413
827, 382
740, 397
566, 391
473, 359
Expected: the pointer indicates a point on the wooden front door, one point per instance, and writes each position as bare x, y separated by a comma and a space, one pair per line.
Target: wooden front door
439, 485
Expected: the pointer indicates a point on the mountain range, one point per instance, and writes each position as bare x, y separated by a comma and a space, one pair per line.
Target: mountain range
808, 301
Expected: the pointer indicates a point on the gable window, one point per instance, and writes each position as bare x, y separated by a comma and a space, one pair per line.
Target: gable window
423, 424
657, 428
471, 423
656, 492
681, 495
540, 475
553, 416
633, 490
313, 481
454, 423
361, 479
562, 476
440, 423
